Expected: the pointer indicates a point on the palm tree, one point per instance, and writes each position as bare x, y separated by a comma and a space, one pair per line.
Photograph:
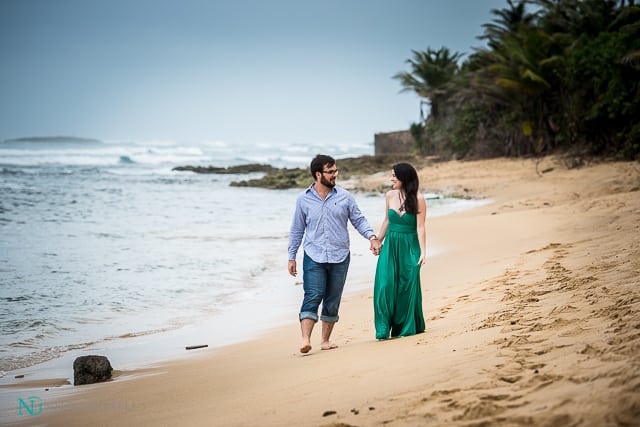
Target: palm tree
431, 73
507, 22
515, 74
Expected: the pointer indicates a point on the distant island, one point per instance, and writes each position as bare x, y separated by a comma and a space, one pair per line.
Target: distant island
40, 139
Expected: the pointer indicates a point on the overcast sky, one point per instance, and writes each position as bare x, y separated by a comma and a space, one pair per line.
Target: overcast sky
239, 71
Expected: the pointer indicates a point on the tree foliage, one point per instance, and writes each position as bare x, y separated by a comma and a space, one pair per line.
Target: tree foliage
565, 75
431, 72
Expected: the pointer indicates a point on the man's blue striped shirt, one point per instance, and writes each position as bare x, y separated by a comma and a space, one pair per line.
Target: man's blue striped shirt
323, 224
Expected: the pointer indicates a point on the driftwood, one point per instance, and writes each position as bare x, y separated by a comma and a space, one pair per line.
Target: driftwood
193, 347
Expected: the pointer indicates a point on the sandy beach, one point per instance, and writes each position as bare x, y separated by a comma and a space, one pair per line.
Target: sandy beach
532, 313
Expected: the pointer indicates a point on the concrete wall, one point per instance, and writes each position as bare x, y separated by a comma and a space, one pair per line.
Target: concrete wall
393, 142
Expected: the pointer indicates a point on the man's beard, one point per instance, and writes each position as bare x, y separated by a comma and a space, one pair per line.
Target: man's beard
326, 182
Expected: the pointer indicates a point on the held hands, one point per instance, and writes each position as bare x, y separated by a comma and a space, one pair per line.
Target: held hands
375, 246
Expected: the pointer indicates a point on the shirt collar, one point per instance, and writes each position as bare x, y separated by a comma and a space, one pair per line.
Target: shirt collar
311, 189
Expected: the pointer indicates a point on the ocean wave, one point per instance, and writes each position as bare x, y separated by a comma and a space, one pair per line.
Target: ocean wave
100, 159
12, 361
11, 171
103, 155
19, 298
138, 334
126, 160
155, 153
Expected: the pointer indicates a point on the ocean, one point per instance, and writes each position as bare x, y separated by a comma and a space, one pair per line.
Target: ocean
102, 246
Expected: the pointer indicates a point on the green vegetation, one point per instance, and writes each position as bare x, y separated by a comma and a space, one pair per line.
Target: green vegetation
565, 76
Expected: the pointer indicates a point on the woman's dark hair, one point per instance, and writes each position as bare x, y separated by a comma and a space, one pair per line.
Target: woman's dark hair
410, 183
318, 162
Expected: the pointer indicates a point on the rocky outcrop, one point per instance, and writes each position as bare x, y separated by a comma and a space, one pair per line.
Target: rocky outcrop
91, 369
249, 168
279, 179
284, 178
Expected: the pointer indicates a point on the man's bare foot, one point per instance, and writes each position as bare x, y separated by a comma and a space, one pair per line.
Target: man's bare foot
328, 346
305, 348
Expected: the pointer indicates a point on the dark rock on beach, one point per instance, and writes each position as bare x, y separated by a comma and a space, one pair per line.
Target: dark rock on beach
91, 369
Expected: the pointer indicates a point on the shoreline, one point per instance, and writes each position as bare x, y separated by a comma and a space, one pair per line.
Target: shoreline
136, 353
133, 351
531, 307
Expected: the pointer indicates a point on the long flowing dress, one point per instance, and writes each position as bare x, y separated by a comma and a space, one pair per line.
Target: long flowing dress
397, 297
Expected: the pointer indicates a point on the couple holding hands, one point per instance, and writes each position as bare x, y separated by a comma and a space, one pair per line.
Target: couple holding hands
322, 213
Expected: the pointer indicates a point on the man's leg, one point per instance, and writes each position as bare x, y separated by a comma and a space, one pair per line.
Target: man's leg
314, 278
306, 325
335, 285
327, 328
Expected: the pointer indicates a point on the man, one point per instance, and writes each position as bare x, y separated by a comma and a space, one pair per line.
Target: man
321, 216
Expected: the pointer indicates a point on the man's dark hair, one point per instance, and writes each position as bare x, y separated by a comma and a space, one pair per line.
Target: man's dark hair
318, 163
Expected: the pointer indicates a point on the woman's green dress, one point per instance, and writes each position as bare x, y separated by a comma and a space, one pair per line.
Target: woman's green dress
397, 297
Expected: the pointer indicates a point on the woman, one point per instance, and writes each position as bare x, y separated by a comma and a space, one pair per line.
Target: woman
397, 296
